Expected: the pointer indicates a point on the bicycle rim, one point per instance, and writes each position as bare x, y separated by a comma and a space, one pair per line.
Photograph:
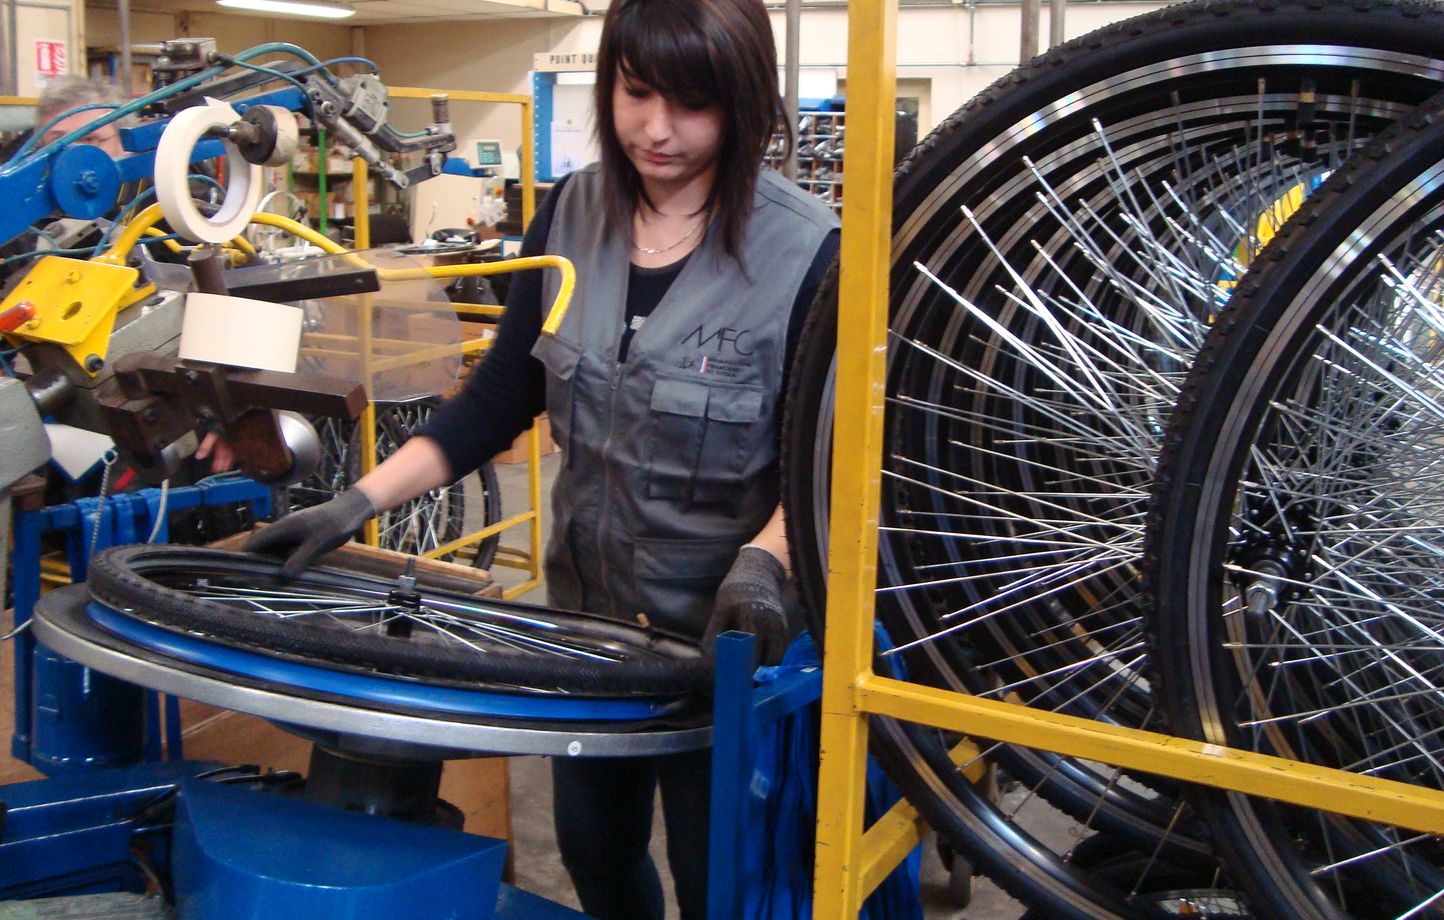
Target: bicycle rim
1116, 187
1294, 539
354, 621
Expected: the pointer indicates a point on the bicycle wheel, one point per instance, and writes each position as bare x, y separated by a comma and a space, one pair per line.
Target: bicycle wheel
359, 622
485, 553
332, 474
421, 524
424, 522
1060, 246
1294, 543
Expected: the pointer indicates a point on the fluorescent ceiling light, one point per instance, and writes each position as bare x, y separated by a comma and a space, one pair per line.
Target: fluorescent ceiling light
292, 8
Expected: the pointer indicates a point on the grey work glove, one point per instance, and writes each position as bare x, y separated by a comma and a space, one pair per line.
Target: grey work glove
301, 536
750, 600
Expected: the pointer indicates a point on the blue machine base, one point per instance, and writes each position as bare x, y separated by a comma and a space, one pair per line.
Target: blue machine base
240, 855
73, 835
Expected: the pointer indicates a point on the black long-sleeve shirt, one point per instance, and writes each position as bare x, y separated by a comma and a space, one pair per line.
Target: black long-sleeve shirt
507, 390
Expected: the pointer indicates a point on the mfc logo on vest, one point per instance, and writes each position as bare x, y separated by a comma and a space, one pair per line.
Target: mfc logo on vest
723, 338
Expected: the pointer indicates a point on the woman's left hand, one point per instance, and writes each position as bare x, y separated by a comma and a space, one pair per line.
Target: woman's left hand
223, 456
750, 600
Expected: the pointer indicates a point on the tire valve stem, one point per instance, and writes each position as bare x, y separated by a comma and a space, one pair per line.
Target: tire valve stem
1261, 597
408, 601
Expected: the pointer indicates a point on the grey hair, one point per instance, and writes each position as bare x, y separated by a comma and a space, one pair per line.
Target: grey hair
65, 93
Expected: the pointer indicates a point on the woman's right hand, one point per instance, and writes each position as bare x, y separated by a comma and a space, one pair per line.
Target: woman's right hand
303, 535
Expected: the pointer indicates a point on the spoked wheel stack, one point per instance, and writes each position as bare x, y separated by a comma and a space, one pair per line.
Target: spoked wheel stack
1061, 248
423, 523
1295, 542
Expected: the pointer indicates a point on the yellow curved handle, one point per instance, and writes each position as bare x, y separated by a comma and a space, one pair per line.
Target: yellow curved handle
145, 220
560, 304
300, 230
143, 224
555, 315
134, 230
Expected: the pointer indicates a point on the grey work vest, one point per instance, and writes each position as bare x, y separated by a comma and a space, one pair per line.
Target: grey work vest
669, 461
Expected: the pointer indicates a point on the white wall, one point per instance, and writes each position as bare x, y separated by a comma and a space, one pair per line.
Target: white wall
41, 21
945, 54
232, 32
493, 56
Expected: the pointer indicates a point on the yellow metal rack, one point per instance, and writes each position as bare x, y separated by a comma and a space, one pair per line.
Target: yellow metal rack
528, 559
850, 863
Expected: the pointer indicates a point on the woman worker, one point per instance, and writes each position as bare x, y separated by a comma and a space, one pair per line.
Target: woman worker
695, 268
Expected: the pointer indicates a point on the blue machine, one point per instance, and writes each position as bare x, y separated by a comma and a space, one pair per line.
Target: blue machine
83, 181
232, 843
68, 717
291, 858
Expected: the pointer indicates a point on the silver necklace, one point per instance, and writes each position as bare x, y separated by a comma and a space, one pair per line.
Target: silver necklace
685, 237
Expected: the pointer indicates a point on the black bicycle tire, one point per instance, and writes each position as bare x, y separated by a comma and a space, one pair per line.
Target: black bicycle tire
999, 848
117, 578
490, 514
69, 612
1120, 47
1252, 349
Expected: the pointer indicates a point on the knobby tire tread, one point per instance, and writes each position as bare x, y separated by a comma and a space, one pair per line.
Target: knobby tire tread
117, 580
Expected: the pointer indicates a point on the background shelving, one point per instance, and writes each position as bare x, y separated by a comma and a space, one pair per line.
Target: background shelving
820, 137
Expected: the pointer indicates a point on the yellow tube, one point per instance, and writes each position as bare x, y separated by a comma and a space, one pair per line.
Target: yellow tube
172, 245
555, 315
138, 225
300, 230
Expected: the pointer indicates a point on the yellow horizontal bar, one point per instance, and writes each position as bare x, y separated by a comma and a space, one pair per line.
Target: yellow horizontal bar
478, 309
518, 590
412, 358
457, 95
1367, 797
396, 361
479, 535
19, 100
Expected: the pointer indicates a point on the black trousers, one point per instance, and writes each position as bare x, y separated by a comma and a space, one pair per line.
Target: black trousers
603, 813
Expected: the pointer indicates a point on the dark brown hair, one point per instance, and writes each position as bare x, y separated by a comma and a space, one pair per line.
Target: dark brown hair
697, 52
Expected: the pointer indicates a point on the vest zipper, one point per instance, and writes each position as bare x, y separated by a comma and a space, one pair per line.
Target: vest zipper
603, 518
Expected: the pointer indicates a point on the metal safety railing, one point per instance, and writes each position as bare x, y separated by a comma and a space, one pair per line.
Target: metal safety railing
528, 559
851, 861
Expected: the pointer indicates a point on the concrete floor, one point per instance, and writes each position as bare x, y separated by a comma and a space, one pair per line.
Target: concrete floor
539, 869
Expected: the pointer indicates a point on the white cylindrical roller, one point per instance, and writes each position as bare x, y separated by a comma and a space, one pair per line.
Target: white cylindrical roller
245, 333
172, 169
288, 136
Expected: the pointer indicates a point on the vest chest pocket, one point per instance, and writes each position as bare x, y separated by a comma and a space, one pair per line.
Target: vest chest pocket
560, 359
703, 436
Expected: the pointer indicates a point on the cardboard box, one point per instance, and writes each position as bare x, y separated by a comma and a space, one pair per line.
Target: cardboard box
516, 453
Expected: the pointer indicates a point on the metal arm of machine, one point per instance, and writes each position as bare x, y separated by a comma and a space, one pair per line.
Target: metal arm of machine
162, 400
83, 181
